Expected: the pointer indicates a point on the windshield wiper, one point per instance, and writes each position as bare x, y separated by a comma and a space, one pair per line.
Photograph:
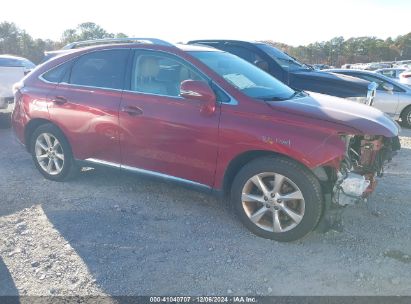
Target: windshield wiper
273, 98
297, 93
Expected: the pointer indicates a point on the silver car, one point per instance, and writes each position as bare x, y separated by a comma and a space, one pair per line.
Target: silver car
391, 72
392, 97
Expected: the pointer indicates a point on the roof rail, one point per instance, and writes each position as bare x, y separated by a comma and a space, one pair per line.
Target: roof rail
79, 44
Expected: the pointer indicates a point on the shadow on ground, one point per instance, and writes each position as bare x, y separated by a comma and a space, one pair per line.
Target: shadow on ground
7, 287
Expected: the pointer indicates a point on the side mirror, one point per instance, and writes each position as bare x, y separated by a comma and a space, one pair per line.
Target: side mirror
388, 87
199, 91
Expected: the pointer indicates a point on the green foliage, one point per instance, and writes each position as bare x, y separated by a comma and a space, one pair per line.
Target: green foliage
16, 41
336, 51
85, 31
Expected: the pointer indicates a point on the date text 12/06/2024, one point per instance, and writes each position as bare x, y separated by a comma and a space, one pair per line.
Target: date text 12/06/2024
204, 299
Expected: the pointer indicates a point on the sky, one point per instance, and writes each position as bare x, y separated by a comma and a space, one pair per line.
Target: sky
288, 21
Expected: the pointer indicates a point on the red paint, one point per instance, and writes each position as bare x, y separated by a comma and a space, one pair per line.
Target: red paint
185, 137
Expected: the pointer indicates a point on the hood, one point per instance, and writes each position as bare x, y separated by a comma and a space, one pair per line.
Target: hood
329, 83
367, 120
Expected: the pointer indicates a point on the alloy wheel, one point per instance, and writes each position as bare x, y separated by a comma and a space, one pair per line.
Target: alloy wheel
49, 153
273, 202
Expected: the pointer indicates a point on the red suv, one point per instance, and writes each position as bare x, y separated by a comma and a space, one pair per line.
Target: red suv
208, 118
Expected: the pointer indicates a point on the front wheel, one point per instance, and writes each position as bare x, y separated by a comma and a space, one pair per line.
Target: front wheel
277, 198
52, 154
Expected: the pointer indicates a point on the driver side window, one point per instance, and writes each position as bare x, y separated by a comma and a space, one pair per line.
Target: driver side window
160, 74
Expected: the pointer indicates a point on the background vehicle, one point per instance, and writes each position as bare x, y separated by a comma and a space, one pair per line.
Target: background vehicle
405, 77
392, 97
294, 73
321, 66
391, 72
208, 118
12, 69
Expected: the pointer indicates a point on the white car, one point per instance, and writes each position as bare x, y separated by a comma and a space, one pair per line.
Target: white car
405, 77
392, 97
12, 70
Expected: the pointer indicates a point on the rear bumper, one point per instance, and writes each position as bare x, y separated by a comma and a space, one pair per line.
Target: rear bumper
6, 104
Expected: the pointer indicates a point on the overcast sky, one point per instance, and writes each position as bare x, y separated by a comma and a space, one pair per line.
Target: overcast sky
289, 21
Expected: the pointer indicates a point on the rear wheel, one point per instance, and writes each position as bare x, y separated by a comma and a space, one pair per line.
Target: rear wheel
277, 198
52, 154
406, 117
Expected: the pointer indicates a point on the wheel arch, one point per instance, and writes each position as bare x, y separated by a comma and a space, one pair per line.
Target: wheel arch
242, 159
32, 126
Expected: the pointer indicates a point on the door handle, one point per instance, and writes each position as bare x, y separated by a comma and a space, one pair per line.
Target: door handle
59, 100
132, 110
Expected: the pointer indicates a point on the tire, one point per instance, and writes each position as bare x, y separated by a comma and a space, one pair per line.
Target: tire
43, 137
406, 117
293, 198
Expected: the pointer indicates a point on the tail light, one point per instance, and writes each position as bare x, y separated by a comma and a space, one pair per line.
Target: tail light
405, 75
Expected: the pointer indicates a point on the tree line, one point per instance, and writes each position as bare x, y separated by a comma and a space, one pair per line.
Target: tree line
335, 52
15, 41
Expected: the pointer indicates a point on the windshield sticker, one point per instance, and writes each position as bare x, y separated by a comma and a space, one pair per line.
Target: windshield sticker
239, 80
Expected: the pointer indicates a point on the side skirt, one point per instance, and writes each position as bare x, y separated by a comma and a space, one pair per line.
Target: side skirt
92, 162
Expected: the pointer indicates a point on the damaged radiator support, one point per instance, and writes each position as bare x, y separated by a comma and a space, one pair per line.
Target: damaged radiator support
365, 160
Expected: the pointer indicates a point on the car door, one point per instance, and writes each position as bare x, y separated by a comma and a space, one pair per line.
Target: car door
85, 104
385, 100
160, 131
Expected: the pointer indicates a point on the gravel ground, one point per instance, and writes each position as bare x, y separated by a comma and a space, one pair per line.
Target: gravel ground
108, 233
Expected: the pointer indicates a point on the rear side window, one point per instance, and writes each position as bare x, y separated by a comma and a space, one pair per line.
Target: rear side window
58, 73
103, 69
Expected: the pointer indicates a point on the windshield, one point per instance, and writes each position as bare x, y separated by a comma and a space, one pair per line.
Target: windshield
285, 61
246, 77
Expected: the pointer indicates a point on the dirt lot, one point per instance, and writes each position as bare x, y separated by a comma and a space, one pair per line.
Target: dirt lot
120, 234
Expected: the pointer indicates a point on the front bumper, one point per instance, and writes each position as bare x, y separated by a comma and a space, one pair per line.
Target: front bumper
6, 105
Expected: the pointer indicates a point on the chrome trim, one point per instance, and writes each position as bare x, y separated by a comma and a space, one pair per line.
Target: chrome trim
90, 87
147, 172
153, 94
162, 175
76, 85
103, 162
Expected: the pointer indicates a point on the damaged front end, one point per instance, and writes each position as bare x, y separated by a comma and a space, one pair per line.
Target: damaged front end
364, 160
